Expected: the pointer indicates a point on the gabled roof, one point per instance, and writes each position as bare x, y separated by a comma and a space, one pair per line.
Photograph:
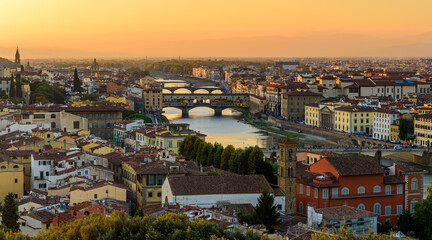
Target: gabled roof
231, 184
354, 165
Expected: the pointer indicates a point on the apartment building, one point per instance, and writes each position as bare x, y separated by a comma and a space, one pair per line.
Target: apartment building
423, 130
359, 182
354, 119
382, 121
293, 104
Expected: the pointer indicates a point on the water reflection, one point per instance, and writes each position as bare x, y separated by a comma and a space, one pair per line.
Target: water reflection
227, 129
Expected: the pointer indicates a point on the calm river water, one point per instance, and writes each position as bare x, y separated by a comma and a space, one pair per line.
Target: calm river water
228, 129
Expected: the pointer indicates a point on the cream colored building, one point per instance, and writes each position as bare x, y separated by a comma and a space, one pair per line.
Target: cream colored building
97, 191
62, 120
35, 222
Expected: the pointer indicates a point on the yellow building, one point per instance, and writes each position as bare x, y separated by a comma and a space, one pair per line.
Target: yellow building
116, 100
168, 137
358, 120
394, 131
312, 114
23, 157
97, 191
11, 178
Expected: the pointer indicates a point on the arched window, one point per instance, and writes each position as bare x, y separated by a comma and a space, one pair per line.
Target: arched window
361, 206
361, 190
377, 189
86, 213
414, 184
345, 191
301, 207
413, 203
15, 166
3, 167
377, 208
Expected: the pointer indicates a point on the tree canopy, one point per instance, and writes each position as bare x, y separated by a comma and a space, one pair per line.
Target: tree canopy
121, 226
241, 161
43, 92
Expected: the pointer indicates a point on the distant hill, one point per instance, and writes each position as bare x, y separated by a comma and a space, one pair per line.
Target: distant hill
6, 63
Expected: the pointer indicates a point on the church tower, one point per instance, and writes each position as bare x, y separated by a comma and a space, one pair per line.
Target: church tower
17, 60
287, 173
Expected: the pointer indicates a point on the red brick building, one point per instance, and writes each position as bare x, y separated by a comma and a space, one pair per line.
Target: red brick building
361, 182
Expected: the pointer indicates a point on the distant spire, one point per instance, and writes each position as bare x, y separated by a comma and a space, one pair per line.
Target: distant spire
17, 59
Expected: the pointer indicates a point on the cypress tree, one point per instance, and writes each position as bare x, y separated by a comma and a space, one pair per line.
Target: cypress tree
10, 212
18, 90
12, 88
76, 82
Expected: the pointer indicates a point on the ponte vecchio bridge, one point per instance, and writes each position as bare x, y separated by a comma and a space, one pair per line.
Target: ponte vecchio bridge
218, 102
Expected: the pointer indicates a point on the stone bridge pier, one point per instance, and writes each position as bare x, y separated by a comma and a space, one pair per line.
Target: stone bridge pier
217, 111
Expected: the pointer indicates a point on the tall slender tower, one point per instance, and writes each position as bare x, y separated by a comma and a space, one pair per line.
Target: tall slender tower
17, 60
287, 173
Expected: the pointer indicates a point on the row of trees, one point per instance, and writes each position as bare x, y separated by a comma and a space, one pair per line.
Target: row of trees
240, 161
120, 226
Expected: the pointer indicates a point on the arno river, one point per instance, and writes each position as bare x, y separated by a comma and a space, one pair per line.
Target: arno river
229, 129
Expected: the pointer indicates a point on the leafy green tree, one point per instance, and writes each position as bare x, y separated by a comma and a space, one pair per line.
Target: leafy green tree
43, 92
213, 173
195, 150
76, 82
345, 234
187, 145
266, 168
265, 211
10, 212
225, 157
18, 90
243, 162
210, 157
12, 88
233, 164
422, 217
255, 157
3, 94
406, 222
204, 153
217, 156
405, 127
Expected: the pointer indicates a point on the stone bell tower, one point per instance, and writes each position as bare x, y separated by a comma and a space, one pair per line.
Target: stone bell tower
17, 60
287, 173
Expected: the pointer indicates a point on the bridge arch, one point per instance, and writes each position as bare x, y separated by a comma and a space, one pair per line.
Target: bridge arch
182, 89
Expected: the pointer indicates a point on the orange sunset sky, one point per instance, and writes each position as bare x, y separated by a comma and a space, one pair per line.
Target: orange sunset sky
223, 28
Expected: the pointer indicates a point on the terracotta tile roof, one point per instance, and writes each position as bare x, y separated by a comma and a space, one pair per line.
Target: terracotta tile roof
234, 184
81, 206
43, 216
344, 212
393, 180
354, 165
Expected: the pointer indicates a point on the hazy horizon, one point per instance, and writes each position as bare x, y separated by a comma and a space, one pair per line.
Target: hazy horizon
203, 29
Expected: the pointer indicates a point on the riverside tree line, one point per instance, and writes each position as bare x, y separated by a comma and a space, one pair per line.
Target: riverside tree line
240, 161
